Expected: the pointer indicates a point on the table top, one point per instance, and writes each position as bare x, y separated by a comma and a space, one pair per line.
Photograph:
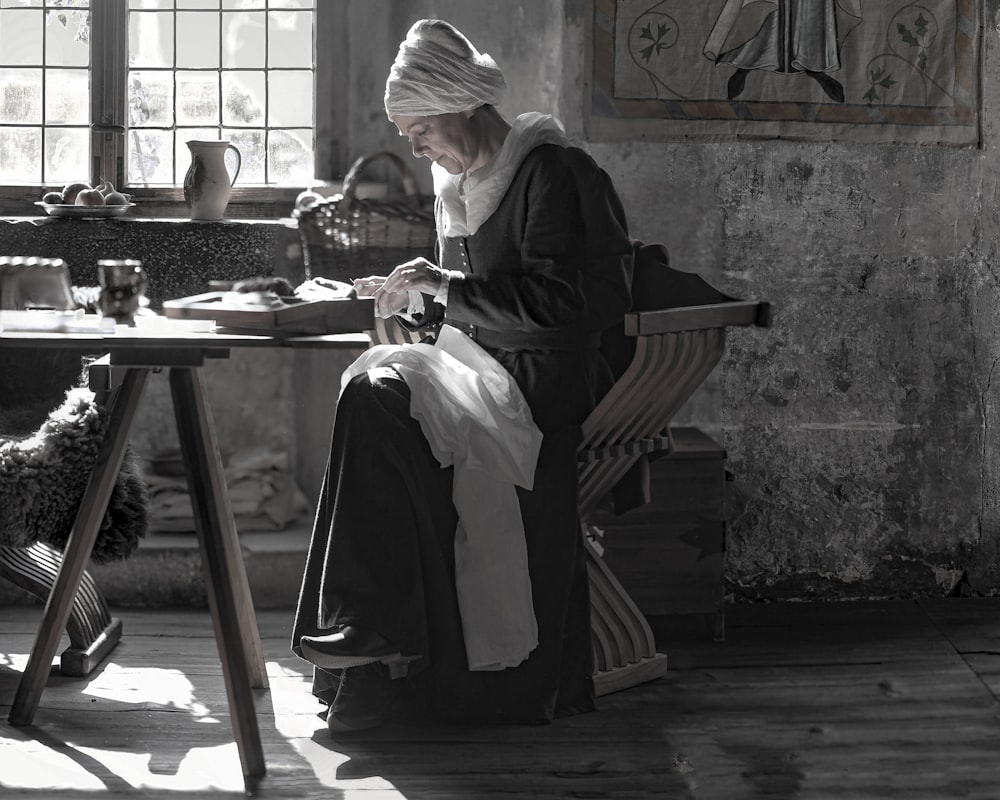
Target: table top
168, 334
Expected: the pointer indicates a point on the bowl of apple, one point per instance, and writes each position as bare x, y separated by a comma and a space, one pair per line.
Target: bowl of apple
81, 200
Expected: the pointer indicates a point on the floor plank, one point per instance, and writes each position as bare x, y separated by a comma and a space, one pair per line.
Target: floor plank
860, 700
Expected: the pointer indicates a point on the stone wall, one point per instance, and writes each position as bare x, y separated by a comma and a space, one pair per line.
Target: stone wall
861, 429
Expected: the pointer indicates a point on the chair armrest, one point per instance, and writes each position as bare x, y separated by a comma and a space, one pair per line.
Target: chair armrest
689, 318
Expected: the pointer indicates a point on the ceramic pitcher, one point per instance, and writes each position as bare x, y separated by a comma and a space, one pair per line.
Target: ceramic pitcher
208, 184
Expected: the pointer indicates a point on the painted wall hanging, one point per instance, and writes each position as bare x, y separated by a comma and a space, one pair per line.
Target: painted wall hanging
853, 70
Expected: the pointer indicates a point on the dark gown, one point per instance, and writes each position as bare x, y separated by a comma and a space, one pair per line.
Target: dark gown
545, 274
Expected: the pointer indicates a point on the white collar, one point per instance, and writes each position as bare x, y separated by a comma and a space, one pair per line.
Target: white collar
467, 201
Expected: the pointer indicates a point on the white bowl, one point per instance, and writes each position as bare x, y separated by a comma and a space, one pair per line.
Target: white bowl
83, 212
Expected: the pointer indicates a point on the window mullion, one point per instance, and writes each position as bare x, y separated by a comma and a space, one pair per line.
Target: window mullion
108, 89
330, 93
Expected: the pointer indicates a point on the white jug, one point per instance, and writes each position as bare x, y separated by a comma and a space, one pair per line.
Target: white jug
207, 184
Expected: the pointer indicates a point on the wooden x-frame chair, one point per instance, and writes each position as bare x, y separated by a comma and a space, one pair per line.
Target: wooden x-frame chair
92, 630
678, 329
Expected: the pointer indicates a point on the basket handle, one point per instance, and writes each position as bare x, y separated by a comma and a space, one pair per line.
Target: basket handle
351, 179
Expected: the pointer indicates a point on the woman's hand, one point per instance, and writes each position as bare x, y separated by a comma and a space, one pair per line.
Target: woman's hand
387, 304
392, 294
366, 287
419, 275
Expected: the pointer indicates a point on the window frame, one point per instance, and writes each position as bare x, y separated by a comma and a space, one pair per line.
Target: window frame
109, 117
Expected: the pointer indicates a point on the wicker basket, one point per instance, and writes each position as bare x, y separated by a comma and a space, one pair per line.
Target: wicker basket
345, 237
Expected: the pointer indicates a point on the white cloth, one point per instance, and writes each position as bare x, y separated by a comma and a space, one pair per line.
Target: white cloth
476, 419
467, 201
438, 71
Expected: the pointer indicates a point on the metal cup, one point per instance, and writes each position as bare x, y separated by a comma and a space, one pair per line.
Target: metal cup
123, 284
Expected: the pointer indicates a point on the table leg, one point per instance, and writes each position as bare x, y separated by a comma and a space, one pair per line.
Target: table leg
121, 412
225, 573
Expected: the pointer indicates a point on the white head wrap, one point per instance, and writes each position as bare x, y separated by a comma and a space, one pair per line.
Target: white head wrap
438, 71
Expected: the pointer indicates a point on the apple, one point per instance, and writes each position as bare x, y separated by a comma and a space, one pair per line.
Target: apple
115, 199
52, 198
89, 197
71, 190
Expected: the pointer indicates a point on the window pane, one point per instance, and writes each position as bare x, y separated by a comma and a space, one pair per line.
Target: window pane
290, 99
20, 155
197, 40
150, 40
243, 40
203, 134
290, 157
151, 158
67, 97
21, 95
240, 70
262, 95
243, 95
21, 36
289, 42
67, 153
67, 39
250, 143
198, 98
151, 99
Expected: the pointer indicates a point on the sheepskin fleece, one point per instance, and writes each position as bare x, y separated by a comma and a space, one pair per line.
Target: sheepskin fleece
43, 477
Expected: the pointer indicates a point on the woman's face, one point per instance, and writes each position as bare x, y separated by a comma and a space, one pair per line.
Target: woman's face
446, 139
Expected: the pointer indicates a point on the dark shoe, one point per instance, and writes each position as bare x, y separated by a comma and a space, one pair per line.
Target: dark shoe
349, 647
364, 700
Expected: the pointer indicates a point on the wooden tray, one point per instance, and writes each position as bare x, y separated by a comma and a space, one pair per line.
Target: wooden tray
342, 315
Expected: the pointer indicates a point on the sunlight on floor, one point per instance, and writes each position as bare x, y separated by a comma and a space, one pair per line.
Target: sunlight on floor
49, 768
147, 687
41, 767
65, 764
297, 718
15, 661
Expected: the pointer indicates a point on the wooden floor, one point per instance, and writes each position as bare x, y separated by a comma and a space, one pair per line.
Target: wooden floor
870, 700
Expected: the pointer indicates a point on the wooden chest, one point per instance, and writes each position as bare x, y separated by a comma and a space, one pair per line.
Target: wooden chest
669, 553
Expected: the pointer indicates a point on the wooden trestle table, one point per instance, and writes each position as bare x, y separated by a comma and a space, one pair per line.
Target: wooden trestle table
134, 353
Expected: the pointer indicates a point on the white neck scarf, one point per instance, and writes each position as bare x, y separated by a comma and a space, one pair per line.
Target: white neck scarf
467, 201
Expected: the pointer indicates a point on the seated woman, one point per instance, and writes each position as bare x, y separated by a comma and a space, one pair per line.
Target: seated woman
534, 261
